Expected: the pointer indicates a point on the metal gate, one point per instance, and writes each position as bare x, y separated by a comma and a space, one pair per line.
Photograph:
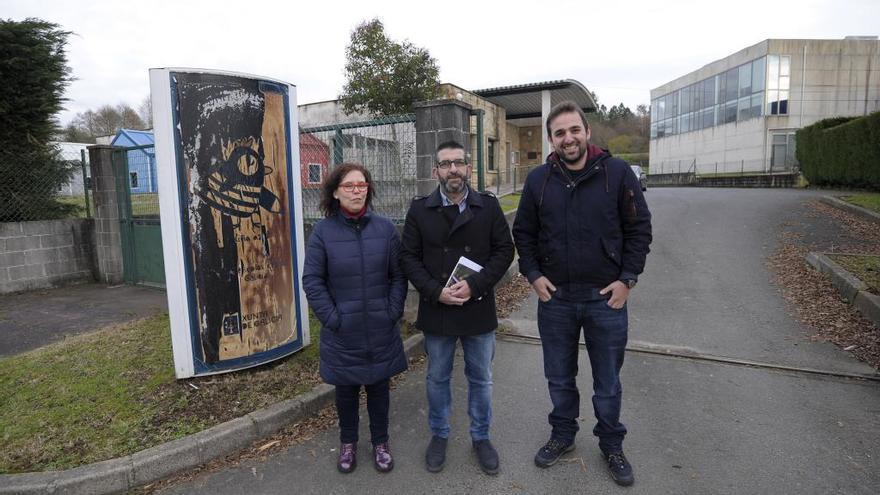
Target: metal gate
138, 199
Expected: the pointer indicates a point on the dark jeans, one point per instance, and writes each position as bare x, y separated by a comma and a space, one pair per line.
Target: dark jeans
605, 333
348, 406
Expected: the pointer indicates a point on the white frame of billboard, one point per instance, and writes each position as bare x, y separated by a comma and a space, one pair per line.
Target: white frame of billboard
179, 305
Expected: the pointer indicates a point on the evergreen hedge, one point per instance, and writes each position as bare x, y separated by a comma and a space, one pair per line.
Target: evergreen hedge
33, 76
841, 151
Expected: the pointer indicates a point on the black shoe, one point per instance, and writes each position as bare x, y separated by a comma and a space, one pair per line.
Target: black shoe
620, 469
551, 452
487, 455
435, 456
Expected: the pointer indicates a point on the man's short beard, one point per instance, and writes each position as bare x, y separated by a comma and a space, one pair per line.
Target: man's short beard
445, 186
580, 155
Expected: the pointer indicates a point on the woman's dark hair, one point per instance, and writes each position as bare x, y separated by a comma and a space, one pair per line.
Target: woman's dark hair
330, 205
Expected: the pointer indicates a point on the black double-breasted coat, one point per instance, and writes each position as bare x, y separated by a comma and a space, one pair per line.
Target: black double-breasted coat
434, 238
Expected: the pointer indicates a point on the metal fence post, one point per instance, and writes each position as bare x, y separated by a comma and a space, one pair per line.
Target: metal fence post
481, 180
337, 147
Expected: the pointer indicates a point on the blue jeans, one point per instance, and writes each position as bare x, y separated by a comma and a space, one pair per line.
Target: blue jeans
605, 333
479, 350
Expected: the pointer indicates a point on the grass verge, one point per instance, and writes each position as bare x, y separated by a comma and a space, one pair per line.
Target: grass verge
870, 201
142, 204
865, 267
113, 392
509, 202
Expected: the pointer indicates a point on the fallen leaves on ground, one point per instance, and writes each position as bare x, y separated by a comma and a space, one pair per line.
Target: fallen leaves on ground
813, 299
511, 296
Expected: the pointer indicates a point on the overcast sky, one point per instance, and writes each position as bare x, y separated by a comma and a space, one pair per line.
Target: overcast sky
619, 49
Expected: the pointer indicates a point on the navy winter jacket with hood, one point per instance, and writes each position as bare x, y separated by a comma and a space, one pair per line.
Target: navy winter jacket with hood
354, 284
583, 233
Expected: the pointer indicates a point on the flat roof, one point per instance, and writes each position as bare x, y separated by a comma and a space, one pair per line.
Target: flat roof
523, 101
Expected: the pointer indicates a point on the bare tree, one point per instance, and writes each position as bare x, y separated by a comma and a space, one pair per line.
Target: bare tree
145, 111
105, 121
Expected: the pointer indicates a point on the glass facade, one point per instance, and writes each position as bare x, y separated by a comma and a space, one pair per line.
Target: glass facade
735, 95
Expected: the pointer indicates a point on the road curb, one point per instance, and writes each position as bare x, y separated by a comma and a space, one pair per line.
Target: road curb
853, 290
864, 213
155, 463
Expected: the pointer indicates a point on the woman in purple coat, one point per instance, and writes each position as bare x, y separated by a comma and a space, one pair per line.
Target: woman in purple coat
356, 288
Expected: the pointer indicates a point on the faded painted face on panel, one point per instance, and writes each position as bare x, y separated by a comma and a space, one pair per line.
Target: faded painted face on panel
569, 137
452, 170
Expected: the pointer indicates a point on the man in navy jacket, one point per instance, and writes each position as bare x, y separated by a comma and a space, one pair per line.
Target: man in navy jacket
452, 222
582, 232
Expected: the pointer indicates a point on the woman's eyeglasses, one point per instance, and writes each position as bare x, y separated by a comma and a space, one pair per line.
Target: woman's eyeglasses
351, 186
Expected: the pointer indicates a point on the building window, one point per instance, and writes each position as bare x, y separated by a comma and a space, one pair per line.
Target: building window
729, 112
745, 80
778, 82
490, 154
133, 179
731, 84
709, 91
314, 173
758, 74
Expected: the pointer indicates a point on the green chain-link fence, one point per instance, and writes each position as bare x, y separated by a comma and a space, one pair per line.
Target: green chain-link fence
386, 146
45, 185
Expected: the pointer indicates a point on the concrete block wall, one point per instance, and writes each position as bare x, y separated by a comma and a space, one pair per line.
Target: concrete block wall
37, 255
438, 121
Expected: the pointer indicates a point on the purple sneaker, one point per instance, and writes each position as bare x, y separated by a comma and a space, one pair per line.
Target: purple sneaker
382, 458
347, 457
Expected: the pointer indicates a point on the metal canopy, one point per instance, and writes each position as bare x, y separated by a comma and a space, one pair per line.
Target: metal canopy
523, 101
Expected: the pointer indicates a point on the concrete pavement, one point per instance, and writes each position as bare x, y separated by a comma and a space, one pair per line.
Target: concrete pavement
695, 427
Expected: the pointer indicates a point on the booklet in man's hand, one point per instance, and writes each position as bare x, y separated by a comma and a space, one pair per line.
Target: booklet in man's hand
463, 269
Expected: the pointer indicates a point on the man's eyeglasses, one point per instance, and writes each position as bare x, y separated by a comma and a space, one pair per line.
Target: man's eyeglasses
351, 186
445, 164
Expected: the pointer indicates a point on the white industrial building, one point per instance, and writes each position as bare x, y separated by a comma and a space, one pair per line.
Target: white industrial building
740, 113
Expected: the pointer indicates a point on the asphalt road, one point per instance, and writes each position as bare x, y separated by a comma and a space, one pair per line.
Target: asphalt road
706, 287
695, 427
33, 319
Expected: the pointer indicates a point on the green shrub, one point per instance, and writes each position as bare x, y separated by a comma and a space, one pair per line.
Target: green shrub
634, 158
